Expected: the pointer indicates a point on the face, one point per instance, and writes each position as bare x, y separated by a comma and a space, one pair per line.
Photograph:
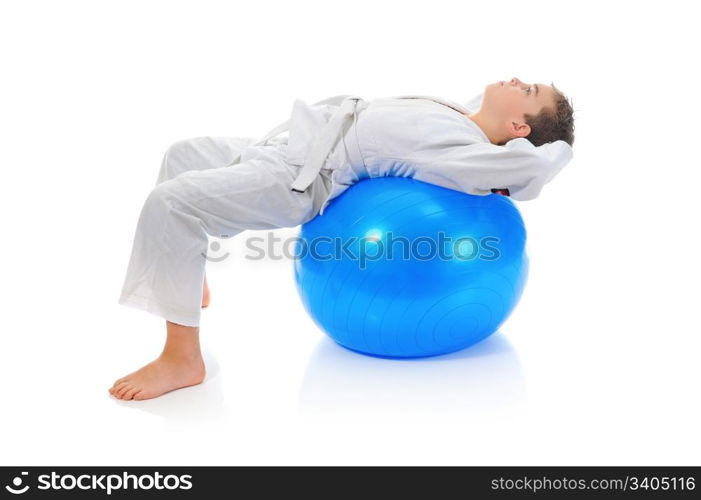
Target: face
509, 101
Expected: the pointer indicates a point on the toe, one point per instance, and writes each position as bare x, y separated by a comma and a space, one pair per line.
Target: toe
130, 393
117, 387
139, 395
123, 390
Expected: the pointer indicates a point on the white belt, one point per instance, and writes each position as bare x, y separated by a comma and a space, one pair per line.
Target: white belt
323, 145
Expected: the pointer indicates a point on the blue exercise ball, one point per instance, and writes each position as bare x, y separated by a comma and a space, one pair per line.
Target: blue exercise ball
395, 267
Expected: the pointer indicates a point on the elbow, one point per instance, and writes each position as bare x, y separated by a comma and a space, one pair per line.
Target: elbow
530, 192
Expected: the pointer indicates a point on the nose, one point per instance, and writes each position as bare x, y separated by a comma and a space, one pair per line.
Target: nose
516, 81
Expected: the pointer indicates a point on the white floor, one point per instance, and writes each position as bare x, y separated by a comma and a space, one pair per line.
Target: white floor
585, 372
599, 365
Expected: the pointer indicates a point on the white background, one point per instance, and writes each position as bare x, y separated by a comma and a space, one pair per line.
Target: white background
599, 365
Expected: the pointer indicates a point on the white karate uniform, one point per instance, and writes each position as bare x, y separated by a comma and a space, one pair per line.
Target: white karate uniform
220, 186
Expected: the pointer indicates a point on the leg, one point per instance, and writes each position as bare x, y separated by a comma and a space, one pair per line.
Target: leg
200, 153
205, 293
170, 244
166, 269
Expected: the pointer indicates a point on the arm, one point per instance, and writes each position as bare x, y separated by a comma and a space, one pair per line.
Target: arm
518, 166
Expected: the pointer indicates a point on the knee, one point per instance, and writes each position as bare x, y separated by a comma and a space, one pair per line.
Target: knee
177, 158
181, 148
160, 199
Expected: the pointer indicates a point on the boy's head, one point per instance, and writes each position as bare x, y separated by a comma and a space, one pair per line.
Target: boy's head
538, 112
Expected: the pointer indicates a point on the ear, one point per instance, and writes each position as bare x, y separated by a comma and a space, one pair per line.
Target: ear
518, 129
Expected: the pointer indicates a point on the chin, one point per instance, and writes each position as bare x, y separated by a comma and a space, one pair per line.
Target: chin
493, 86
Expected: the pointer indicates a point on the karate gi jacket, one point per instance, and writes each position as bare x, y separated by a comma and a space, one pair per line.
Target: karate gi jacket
427, 138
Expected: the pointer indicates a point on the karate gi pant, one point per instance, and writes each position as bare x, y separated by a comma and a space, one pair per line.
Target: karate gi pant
199, 193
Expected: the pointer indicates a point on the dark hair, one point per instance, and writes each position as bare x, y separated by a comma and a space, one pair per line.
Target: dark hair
552, 123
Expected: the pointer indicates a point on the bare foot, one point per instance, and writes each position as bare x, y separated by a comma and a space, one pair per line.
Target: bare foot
162, 375
205, 294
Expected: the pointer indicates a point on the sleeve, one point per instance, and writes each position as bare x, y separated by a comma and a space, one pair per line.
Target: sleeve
518, 166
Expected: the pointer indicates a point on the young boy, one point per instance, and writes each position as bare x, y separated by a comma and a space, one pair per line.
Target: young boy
512, 139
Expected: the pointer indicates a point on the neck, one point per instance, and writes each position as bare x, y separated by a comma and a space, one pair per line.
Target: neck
490, 129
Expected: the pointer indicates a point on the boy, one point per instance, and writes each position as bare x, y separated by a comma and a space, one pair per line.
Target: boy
514, 141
